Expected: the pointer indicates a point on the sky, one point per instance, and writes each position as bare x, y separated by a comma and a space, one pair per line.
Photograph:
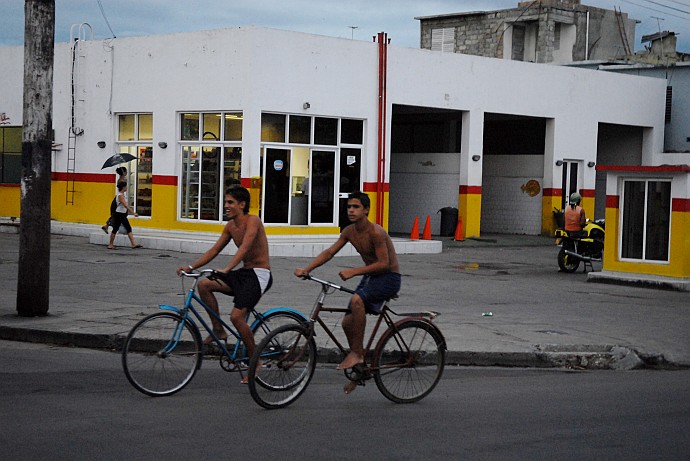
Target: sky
352, 19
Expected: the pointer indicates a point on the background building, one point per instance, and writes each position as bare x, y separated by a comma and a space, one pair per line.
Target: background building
547, 31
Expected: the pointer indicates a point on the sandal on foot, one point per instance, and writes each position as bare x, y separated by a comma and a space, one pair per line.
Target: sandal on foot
137, 246
105, 229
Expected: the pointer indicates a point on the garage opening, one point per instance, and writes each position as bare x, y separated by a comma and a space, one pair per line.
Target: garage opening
425, 165
512, 174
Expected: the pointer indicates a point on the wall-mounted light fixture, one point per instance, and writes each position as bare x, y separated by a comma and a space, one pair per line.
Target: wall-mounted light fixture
162, 144
476, 157
591, 164
101, 144
559, 162
306, 105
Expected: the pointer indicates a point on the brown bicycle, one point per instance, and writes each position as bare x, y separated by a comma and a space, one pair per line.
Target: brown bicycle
406, 363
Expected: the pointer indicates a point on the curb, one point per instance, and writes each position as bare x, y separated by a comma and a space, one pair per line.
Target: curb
547, 356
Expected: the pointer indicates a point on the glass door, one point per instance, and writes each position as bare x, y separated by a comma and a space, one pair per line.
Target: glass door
350, 175
276, 186
144, 182
322, 187
210, 205
571, 180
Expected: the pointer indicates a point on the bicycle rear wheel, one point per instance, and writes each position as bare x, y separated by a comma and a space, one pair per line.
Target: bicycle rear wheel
409, 361
282, 366
162, 354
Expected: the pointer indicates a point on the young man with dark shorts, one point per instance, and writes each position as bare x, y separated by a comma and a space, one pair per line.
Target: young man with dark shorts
246, 284
381, 274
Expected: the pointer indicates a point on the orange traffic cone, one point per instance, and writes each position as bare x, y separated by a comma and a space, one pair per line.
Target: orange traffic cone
426, 235
415, 229
458, 231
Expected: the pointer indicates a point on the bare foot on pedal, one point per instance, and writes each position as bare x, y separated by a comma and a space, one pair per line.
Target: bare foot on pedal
350, 361
349, 387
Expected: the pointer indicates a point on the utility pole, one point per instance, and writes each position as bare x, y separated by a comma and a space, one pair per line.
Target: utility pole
33, 278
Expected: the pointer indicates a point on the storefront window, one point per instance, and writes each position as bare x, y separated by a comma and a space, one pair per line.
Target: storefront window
189, 125
645, 230
351, 131
135, 133
126, 128
191, 166
211, 127
300, 129
272, 127
209, 164
326, 131
233, 127
145, 126
304, 182
10, 154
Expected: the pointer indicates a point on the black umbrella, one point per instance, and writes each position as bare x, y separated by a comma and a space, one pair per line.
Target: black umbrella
117, 159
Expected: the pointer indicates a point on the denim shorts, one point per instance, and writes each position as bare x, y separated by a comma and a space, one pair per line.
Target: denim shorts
375, 289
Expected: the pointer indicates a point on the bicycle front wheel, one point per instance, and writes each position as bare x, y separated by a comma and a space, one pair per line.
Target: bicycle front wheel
409, 360
162, 354
282, 366
272, 320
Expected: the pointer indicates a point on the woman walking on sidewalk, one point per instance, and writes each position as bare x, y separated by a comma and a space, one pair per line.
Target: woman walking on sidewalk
122, 177
120, 216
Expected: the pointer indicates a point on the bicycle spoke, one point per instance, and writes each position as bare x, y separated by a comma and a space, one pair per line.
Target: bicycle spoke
161, 354
287, 358
409, 361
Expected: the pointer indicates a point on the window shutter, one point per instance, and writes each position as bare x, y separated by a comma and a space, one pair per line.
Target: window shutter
443, 39
669, 100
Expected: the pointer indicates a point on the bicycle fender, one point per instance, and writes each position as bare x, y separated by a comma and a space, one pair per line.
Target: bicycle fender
419, 319
165, 307
283, 309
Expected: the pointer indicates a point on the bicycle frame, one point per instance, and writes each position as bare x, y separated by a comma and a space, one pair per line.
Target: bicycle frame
189, 308
383, 317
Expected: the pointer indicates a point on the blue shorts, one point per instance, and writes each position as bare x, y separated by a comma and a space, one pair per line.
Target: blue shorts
375, 289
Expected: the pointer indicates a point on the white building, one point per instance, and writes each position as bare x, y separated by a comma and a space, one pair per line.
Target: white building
502, 141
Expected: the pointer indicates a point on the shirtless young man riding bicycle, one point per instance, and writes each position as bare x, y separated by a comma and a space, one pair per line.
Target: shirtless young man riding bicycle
246, 284
381, 273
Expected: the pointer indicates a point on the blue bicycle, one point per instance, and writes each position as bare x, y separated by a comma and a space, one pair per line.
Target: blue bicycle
163, 351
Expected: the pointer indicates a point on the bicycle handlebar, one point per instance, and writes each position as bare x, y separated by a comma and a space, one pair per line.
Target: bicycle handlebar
197, 274
326, 283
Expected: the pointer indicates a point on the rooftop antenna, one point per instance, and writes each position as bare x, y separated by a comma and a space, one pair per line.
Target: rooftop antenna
352, 35
661, 38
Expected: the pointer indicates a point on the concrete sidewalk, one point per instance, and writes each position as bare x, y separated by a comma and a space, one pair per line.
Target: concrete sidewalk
539, 316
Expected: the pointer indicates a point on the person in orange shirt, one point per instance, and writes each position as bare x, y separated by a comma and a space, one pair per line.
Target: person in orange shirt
574, 215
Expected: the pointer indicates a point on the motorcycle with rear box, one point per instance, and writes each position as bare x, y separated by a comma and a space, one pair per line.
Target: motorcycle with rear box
585, 246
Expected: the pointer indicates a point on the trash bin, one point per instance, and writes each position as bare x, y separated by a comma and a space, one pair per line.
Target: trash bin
449, 220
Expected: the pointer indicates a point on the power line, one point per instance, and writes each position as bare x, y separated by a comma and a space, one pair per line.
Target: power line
658, 11
666, 6
106, 19
679, 3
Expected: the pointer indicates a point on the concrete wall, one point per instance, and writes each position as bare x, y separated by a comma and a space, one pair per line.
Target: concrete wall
677, 132
422, 184
506, 207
